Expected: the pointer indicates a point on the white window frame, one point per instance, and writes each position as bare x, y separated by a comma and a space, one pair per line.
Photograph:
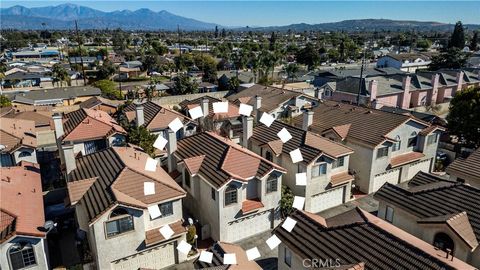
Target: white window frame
389, 213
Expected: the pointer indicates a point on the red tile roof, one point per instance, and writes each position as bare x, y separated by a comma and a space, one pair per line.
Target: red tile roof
22, 198
340, 178
154, 236
251, 205
16, 132
405, 159
466, 168
193, 164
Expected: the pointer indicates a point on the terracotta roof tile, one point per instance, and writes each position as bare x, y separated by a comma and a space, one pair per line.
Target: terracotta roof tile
88, 124
40, 119
193, 164
154, 236
405, 159
156, 116
239, 164
22, 198
16, 132
340, 178
342, 130
7, 224
250, 205
219, 249
77, 189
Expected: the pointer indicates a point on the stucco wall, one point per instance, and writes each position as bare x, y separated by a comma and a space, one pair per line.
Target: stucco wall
39, 246
31, 158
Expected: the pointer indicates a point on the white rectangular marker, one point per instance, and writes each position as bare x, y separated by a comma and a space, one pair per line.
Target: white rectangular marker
296, 155
175, 125
148, 188
288, 224
206, 256
160, 142
151, 165
298, 202
273, 242
301, 179
245, 109
220, 107
195, 112
154, 211
284, 135
166, 232
267, 119
184, 247
229, 258
253, 253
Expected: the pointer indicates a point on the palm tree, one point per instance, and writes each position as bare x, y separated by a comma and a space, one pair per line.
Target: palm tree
291, 71
60, 74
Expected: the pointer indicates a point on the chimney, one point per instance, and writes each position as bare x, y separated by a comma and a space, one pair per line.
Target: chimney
205, 109
247, 123
432, 93
171, 148
459, 81
58, 123
69, 157
139, 113
256, 106
405, 99
372, 88
307, 119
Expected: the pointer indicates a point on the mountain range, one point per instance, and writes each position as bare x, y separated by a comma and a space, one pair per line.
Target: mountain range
63, 17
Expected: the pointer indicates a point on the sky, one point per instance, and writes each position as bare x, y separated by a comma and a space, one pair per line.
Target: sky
268, 13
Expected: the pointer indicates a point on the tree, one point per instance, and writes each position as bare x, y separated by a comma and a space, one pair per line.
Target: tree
108, 89
183, 85
474, 41
216, 31
4, 101
453, 58
457, 40
291, 70
233, 83
272, 40
106, 70
308, 56
464, 115
286, 201
424, 44
60, 75
142, 137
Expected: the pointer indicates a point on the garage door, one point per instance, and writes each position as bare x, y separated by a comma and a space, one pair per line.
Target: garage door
328, 199
414, 168
248, 226
155, 258
391, 177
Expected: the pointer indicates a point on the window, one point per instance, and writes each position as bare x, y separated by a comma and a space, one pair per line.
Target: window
382, 152
320, 169
389, 214
443, 242
22, 255
213, 194
272, 184
24, 154
328, 93
338, 163
166, 209
187, 178
268, 156
230, 195
122, 222
288, 257
412, 142
431, 139
95, 146
396, 145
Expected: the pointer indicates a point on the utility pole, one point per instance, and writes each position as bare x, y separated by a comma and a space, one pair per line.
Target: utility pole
361, 76
80, 52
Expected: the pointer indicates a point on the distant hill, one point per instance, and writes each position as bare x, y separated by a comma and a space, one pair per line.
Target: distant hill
63, 17
366, 24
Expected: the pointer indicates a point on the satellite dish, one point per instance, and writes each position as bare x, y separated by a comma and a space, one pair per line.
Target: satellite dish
190, 221
49, 225
2, 147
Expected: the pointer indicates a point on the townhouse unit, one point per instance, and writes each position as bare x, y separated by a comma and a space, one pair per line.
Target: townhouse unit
219, 249
157, 118
44, 131
402, 90
18, 141
227, 123
100, 103
466, 170
88, 130
280, 103
325, 162
443, 213
388, 147
107, 190
355, 240
22, 244
60, 96
231, 191
408, 62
